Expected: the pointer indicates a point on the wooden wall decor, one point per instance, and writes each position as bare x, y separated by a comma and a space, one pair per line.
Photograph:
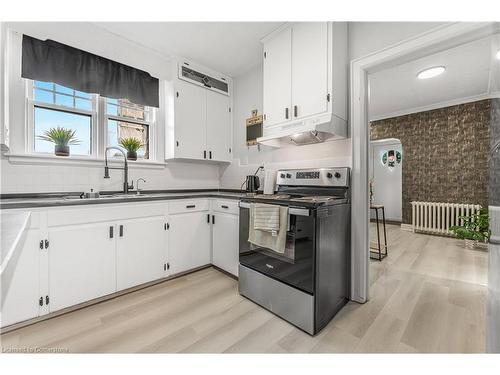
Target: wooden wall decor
254, 128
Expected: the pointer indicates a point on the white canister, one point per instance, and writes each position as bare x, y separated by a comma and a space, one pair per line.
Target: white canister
269, 182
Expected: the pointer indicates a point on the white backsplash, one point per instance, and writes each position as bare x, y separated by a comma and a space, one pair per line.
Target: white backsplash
44, 178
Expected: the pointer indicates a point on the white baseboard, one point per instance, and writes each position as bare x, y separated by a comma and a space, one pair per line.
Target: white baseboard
407, 227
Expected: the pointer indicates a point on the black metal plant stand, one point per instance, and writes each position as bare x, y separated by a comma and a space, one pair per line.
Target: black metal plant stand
378, 254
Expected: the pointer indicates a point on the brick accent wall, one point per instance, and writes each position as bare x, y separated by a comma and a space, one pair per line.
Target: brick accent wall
445, 153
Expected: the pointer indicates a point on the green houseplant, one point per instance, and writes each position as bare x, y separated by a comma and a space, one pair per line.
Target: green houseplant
62, 139
131, 144
475, 228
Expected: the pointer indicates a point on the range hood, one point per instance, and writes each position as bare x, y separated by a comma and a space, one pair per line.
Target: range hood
317, 129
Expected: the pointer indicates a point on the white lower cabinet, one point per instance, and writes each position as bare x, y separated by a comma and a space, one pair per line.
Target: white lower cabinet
87, 253
82, 261
20, 284
225, 240
188, 241
141, 251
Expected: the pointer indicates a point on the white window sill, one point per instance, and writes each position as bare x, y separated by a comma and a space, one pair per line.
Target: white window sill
40, 159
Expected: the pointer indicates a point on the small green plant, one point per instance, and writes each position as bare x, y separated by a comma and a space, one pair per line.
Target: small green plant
130, 144
60, 136
475, 227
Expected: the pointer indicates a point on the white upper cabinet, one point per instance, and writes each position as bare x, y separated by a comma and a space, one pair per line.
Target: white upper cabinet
278, 78
305, 82
200, 128
218, 126
190, 121
309, 68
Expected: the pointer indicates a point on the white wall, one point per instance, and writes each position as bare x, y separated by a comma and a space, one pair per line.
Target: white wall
247, 96
47, 178
369, 37
387, 182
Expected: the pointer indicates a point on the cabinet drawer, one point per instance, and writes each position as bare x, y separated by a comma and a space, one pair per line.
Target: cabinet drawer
226, 206
191, 205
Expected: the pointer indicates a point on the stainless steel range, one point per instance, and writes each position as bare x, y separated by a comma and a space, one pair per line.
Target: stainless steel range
302, 276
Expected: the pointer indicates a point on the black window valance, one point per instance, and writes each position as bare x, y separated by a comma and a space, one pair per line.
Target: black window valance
50, 61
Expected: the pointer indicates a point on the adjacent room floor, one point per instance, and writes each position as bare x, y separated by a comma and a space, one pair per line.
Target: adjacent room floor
428, 295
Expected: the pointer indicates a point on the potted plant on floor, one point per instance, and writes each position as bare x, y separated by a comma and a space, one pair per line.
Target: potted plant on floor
131, 144
475, 230
62, 139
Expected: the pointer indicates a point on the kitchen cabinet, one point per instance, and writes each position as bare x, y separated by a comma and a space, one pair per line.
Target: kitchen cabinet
278, 78
190, 121
20, 289
188, 241
309, 63
218, 126
225, 242
201, 127
141, 251
82, 263
304, 77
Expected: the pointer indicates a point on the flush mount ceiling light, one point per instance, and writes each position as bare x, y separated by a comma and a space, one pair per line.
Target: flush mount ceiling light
431, 72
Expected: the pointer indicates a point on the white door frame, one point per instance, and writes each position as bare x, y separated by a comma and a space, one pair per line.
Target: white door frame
437, 39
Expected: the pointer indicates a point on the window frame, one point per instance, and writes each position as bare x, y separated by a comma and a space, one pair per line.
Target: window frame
99, 126
30, 116
150, 123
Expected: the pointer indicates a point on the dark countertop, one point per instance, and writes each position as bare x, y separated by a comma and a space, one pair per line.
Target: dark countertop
12, 201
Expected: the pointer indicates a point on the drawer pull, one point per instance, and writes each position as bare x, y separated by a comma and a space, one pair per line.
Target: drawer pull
224, 206
111, 232
121, 230
191, 206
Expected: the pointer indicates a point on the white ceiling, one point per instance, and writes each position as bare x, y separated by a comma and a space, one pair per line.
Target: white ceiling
231, 48
471, 73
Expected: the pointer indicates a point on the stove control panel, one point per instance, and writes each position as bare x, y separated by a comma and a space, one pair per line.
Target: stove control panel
314, 177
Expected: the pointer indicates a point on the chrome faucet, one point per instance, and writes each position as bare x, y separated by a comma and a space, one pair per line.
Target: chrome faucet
126, 186
137, 184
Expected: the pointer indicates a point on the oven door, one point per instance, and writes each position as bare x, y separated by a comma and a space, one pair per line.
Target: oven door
296, 266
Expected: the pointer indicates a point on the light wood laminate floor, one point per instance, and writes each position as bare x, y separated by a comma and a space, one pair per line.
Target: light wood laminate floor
428, 295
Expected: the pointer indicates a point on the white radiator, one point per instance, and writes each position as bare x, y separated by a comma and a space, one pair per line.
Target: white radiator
434, 217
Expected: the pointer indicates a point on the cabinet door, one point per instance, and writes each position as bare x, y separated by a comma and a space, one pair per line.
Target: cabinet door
140, 251
225, 249
20, 282
82, 263
277, 78
190, 121
309, 68
189, 241
218, 126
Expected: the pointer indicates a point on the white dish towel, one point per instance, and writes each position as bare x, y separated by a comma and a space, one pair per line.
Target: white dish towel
267, 218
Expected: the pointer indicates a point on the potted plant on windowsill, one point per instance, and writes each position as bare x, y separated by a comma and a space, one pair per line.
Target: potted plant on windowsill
62, 139
131, 144
475, 230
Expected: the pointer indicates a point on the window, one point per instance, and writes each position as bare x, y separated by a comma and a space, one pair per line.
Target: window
128, 120
54, 105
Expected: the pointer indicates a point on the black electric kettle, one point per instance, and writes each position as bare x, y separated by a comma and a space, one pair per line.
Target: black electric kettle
253, 182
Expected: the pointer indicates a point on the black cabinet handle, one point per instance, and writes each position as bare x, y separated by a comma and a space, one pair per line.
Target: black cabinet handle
213, 219
191, 206
208, 218
121, 230
210, 154
224, 206
295, 110
205, 154
286, 113
111, 231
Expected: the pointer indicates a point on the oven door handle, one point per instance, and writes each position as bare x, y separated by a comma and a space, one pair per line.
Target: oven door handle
298, 211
